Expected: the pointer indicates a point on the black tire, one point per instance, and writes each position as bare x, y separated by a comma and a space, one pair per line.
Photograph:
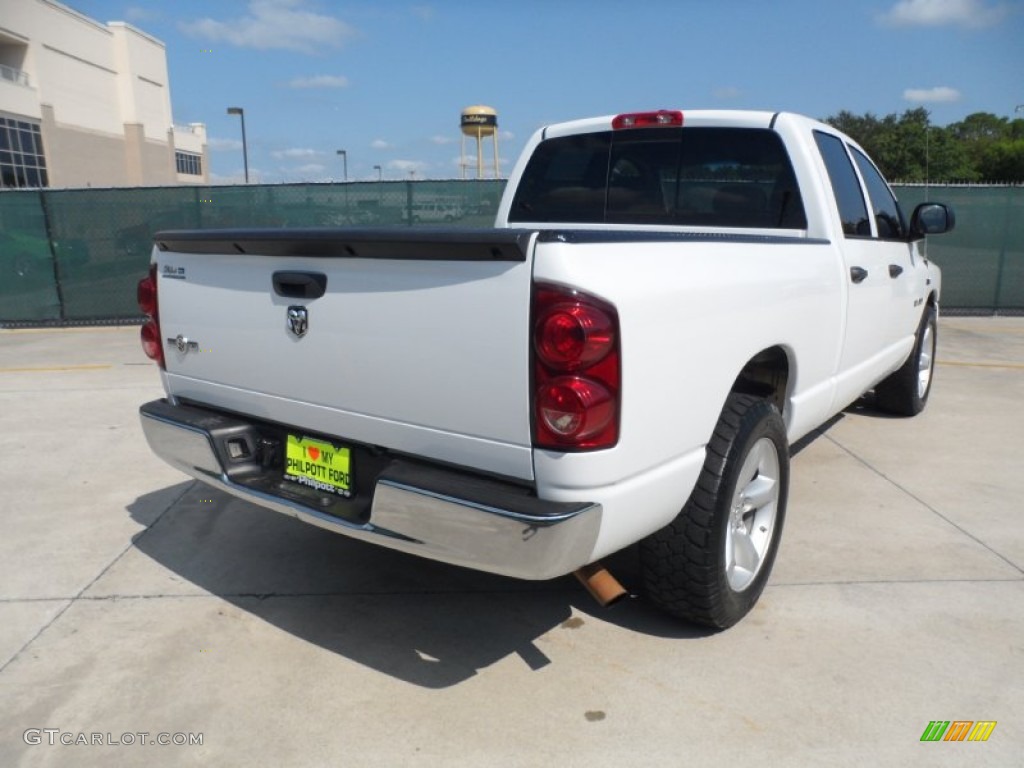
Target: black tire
686, 566
905, 392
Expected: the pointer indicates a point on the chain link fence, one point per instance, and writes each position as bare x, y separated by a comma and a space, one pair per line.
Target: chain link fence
74, 256
982, 260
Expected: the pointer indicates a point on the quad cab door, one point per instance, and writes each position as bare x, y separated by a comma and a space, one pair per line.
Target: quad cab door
883, 298
902, 262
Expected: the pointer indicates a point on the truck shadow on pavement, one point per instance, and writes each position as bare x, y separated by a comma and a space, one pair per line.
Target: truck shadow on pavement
423, 622
866, 405
863, 406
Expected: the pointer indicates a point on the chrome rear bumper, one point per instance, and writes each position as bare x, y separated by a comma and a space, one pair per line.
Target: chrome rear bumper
425, 510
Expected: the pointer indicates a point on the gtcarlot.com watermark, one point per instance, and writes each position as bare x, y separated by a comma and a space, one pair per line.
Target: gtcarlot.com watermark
55, 736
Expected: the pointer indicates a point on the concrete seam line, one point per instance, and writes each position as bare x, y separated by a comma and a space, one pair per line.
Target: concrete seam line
62, 390
891, 582
289, 595
446, 592
107, 567
1012, 366
59, 368
924, 504
74, 329
994, 331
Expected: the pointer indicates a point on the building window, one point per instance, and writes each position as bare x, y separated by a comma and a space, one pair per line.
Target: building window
188, 163
22, 163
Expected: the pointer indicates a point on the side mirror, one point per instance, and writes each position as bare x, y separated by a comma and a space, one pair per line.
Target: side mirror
931, 219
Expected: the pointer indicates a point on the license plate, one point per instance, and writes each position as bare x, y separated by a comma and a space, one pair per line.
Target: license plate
318, 464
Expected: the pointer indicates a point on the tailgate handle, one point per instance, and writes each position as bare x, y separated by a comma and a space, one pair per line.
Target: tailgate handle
300, 285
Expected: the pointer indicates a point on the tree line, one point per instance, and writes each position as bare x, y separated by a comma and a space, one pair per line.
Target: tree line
980, 148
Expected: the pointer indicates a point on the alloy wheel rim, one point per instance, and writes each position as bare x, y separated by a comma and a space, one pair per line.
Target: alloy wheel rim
752, 515
925, 361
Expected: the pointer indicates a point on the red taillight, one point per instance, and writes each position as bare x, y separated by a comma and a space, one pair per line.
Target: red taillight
573, 336
663, 118
146, 294
148, 304
576, 370
151, 341
574, 409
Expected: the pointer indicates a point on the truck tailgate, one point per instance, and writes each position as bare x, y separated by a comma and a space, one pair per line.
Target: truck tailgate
419, 342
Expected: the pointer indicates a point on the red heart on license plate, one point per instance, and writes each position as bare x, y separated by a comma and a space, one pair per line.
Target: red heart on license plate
314, 453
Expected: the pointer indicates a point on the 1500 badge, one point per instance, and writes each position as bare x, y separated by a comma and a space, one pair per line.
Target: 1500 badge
175, 273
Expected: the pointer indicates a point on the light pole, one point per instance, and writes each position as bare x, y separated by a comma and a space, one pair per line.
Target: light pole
245, 149
344, 160
380, 173
927, 159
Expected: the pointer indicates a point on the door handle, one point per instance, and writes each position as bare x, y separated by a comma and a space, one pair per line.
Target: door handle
895, 270
300, 285
857, 274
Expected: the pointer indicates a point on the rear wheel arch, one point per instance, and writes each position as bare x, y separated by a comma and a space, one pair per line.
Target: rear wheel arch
767, 374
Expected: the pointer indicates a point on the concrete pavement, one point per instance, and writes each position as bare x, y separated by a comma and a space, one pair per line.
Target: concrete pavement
133, 600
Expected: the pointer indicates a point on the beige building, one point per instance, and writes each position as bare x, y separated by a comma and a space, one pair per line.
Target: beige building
88, 104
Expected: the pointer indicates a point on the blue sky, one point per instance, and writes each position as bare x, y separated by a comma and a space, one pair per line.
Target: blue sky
386, 81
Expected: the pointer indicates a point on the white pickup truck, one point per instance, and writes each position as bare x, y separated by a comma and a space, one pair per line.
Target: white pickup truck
667, 301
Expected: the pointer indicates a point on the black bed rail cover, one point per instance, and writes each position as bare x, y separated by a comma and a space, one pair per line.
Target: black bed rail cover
420, 244
577, 236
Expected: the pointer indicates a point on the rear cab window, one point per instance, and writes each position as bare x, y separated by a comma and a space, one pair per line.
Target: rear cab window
853, 212
709, 177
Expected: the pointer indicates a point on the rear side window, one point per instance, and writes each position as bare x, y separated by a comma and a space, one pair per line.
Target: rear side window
852, 211
722, 177
565, 180
889, 219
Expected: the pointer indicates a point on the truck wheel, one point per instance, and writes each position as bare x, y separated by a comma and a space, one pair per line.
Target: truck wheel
711, 563
906, 391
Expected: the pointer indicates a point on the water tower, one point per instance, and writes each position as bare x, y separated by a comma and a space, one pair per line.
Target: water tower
479, 122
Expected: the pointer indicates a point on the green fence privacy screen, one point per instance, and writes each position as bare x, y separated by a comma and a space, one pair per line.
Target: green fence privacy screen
982, 259
75, 256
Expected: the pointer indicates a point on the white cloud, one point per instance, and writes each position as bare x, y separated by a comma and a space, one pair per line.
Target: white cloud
274, 24
470, 164
319, 81
942, 93
227, 178
138, 15
380, 144
293, 153
223, 145
256, 176
405, 166
934, 13
502, 136
310, 168
727, 93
